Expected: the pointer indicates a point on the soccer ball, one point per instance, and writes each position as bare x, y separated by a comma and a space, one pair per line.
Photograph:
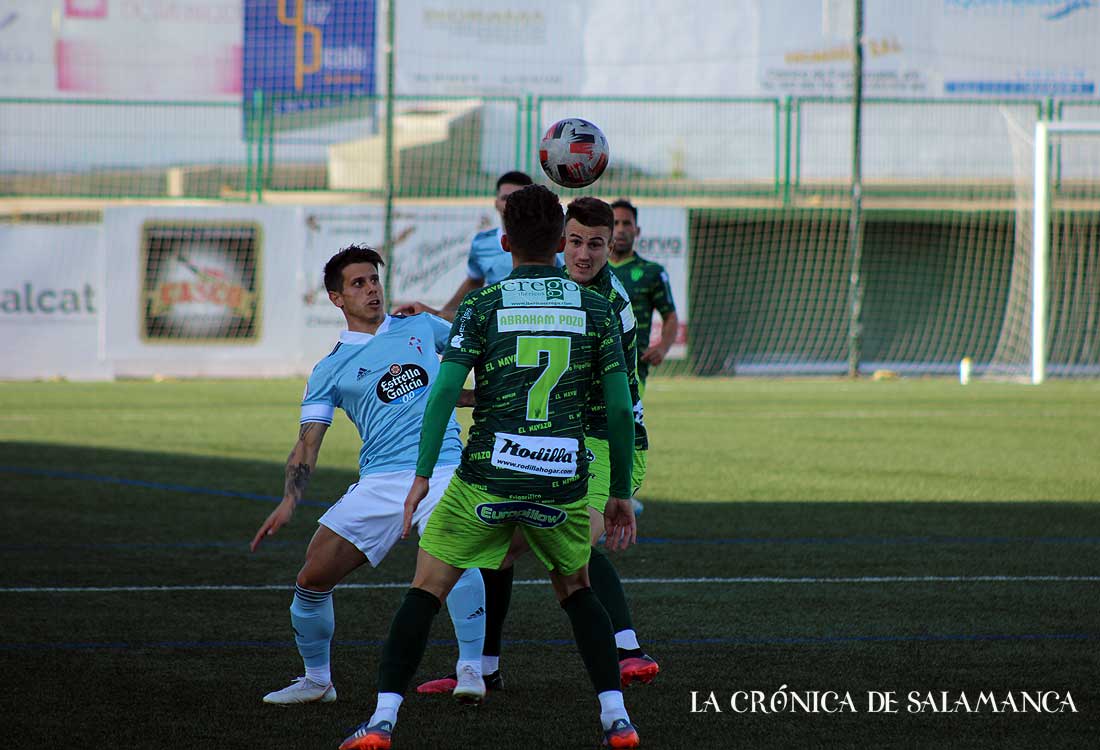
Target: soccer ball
573, 153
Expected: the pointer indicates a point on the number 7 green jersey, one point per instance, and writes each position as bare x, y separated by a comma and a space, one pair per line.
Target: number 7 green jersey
538, 344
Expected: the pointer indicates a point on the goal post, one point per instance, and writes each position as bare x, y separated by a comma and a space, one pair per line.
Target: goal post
1085, 172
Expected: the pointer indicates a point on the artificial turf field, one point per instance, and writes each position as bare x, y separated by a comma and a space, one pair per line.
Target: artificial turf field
832, 536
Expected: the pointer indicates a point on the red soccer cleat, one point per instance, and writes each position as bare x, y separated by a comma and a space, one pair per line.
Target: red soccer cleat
638, 669
378, 737
621, 734
447, 684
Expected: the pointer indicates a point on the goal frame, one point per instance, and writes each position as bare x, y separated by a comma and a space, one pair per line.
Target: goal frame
1040, 242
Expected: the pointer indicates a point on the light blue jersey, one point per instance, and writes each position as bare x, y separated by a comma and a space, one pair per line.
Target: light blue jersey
490, 262
381, 382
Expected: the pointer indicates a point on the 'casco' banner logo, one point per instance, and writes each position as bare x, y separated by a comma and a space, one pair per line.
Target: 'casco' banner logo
200, 281
402, 383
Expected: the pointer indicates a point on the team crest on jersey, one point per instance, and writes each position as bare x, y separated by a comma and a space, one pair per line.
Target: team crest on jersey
402, 383
529, 514
636, 274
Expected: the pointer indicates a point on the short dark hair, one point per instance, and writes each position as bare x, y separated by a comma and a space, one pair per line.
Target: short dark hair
334, 269
514, 178
591, 212
624, 203
533, 222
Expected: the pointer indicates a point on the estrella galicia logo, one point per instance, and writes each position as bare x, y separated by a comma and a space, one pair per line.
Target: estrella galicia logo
517, 511
402, 383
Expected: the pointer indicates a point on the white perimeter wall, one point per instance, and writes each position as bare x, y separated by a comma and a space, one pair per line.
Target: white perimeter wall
73, 299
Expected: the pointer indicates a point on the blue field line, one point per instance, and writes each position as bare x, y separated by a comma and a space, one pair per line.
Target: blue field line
80, 476
728, 641
92, 546
881, 540
846, 540
744, 541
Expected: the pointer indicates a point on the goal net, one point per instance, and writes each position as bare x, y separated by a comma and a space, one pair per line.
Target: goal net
1052, 312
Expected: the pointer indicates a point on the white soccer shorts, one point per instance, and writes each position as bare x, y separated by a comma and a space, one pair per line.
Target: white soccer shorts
371, 512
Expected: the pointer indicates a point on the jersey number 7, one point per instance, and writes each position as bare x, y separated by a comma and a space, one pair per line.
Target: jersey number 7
529, 351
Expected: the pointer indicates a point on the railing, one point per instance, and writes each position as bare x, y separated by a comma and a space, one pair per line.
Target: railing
779, 150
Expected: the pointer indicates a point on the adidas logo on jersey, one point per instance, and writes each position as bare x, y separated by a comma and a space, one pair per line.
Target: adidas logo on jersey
362, 372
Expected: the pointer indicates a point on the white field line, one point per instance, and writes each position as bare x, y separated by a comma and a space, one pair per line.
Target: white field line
773, 580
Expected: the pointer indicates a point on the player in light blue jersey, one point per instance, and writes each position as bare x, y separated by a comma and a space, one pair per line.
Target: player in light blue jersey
379, 374
487, 262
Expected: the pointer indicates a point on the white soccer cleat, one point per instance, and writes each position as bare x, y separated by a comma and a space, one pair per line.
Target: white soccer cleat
470, 687
302, 690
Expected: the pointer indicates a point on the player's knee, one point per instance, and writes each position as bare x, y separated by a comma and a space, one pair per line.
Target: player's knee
565, 585
312, 579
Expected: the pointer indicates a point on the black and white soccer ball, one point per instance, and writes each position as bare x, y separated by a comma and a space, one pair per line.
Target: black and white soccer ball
574, 152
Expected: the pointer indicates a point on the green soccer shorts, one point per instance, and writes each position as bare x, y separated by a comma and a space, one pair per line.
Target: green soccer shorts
599, 472
470, 528
637, 471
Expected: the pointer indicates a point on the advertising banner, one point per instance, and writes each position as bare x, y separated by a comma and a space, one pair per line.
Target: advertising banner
664, 240
200, 281
203, 291
1029, 48
235, 291
428, 261
26, 48
945, 48
493, 47
141, 49
296, 49
51, 302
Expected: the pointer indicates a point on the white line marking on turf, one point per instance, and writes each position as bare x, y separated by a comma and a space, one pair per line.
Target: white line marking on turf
536, 582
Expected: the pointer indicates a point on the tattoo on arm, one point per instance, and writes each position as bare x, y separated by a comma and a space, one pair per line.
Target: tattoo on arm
298, 470
297, 477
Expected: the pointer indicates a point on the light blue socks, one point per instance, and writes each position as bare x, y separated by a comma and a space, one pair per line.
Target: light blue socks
314, 623
466, 603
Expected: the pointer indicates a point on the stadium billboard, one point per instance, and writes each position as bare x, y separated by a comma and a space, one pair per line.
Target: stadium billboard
52, 299
300, 52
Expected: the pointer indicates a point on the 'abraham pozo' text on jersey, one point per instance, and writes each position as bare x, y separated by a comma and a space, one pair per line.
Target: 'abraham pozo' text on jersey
381, 382
538, 343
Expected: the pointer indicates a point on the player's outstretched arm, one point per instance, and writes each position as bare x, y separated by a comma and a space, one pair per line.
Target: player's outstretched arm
415, 308
299, 467
619, 523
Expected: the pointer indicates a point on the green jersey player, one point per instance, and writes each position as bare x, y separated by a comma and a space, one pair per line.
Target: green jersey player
589, 223
588, 230
539, 344
647, 286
